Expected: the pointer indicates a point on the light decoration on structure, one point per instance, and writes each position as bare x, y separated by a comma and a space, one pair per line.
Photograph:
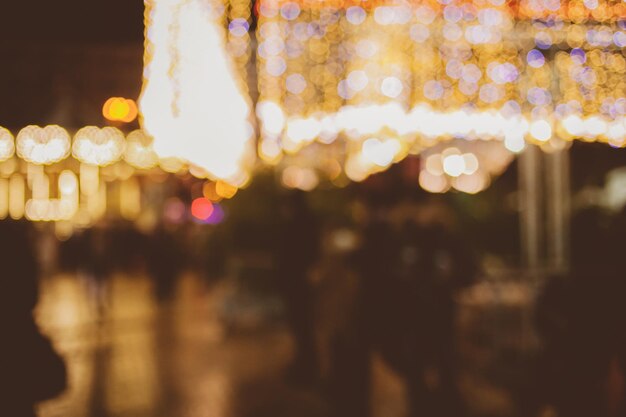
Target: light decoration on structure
377, 81
43, 146
57, 179
43, 208
7, 144
193, 104
139, 152
96, 146
464, 166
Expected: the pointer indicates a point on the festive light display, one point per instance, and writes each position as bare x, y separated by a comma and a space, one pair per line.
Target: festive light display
192, 103
97, 146
361, 85
48, 183
346, 88
139, 152
390, 78
44, 146
101, 176
7, 144
462, 165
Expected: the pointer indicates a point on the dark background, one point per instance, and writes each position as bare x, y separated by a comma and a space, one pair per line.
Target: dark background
60, 60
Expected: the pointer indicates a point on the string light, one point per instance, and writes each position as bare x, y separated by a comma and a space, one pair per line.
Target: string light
422, 73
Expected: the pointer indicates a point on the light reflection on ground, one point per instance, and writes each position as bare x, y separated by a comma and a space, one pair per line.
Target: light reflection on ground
129, 357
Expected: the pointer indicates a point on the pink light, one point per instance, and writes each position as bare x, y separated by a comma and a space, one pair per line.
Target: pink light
201, 208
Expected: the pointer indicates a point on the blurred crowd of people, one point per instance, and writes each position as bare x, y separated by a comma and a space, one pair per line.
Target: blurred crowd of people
393, 294
386, 284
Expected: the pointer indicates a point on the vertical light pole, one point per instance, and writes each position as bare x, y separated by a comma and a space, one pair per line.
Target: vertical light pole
558, 210
530, 189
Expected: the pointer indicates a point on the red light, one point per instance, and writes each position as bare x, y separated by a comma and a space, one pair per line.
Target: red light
201, 208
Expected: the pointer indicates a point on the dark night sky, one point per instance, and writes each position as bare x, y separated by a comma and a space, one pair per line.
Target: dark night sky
72, 20
60, 60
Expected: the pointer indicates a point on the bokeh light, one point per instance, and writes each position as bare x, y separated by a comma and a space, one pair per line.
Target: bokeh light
44, 146
96, 146
120, 109
7, 144
201, 208
193, 103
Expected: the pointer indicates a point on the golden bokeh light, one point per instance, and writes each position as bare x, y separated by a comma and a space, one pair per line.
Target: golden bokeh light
119, 109
420, 73
225, 190
96, 146
7, 144
194, 103
139, 152
43, 146
209, 191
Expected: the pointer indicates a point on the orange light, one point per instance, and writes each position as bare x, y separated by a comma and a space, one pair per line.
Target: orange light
119, 109
209, 192
201, 208
225, 190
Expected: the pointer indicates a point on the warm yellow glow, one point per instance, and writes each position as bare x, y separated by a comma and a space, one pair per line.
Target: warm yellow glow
541, 130
68, 183
380, 153
209, 192
172, 165
49, 210
445, 166
192, 103
304, 179
42, 208
43, 145
471, 184
41, 187
89, 179
139, 152
453, 165
130, 199
63, 230
423, 73
33, 172
514, 142
119, 109
17, 195
8, 167
433, 183
96, 146
95, 204
4, 198
7, 144
225, 190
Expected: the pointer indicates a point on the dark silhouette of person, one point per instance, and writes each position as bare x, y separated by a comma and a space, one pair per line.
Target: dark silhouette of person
431, 268
343, 354
297, 250
413, 269
31, 371
95, 267
373, 327
164, 262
